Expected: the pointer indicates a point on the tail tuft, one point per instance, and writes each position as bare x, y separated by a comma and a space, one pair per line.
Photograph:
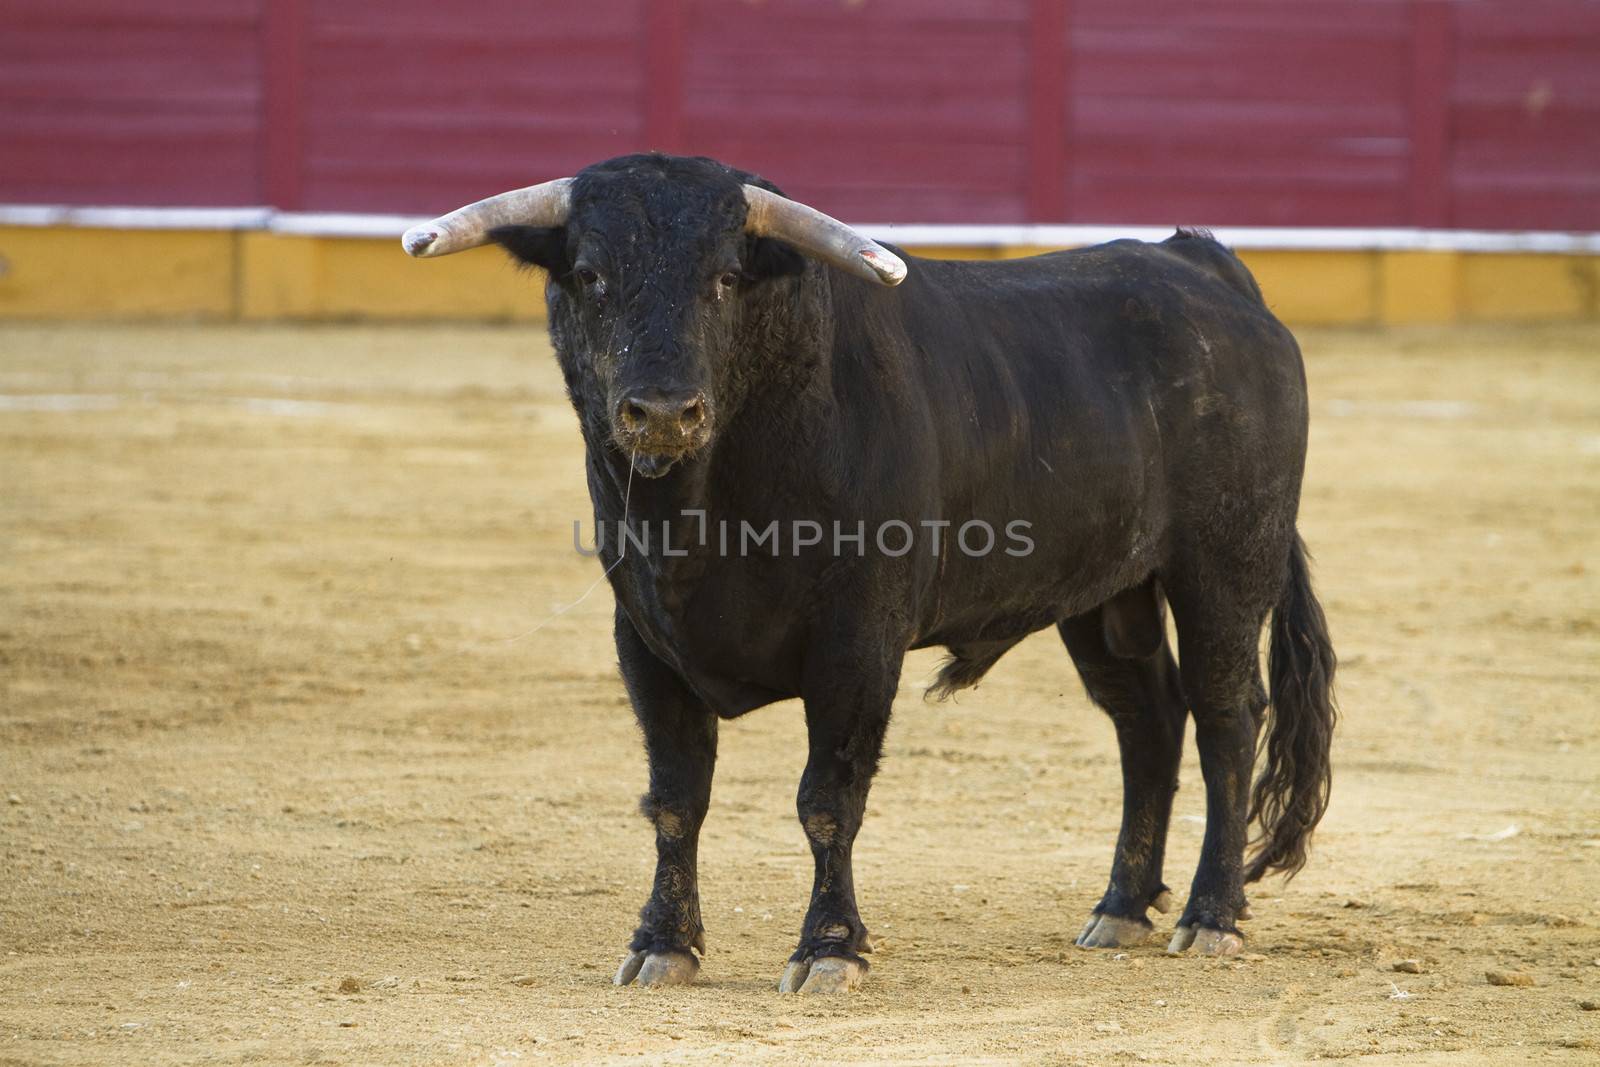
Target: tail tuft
965, 667
1292, 793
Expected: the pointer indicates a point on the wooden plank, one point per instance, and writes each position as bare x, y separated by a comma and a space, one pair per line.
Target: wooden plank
411, 106
892, 111
1525, 116
1240, 113
105, 103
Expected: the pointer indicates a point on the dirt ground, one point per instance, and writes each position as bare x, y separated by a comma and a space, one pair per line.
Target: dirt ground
286, 778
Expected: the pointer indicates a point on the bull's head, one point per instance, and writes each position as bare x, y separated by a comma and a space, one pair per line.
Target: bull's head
657, 267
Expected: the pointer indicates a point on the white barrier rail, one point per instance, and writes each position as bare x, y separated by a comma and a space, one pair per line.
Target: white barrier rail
1278, 238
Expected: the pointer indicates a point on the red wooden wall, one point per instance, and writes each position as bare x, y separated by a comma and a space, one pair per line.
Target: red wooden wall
1466, 113
118, 102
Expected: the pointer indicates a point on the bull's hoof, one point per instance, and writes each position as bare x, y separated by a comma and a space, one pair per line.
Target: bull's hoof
1205, 940
657, 969
1114, 931
830, 974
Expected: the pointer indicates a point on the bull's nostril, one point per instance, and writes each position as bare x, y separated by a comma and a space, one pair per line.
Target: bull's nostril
693, 414
634, 414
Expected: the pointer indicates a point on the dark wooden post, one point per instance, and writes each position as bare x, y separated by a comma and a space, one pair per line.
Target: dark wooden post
1049, 55
663, 83
283, 74
1432, 68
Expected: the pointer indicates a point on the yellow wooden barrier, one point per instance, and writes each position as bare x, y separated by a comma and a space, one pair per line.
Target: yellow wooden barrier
78, 273
70, 272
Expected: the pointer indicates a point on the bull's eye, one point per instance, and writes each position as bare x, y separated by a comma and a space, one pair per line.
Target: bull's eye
728, 280
594, 286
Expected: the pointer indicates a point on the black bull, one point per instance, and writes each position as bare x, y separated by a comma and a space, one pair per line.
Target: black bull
1128, 423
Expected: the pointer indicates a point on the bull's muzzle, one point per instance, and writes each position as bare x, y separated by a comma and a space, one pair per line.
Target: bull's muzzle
660, 427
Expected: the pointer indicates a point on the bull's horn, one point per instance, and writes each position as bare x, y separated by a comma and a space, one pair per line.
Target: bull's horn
827, 238
546, 204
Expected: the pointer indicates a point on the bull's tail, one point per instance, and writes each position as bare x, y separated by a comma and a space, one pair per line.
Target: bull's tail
1292, 792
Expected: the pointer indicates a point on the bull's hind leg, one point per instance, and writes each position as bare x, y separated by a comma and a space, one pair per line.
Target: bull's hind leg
1218, 631
847, 715
680, 739
1120, 650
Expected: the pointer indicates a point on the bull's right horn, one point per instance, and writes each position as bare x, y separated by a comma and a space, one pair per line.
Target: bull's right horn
546, 204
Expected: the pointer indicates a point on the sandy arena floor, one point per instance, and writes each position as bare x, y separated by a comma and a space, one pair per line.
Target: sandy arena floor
285, 779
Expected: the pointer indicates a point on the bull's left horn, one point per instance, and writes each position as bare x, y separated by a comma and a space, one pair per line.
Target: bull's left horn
826, 238
546, 204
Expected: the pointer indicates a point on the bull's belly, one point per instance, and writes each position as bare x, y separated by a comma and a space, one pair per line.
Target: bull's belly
737, 630
1004, 598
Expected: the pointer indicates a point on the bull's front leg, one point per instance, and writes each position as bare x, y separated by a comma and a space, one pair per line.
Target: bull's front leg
680, 738
847, 715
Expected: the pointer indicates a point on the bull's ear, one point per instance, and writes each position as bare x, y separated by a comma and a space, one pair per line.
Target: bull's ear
770, 258
538, 246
